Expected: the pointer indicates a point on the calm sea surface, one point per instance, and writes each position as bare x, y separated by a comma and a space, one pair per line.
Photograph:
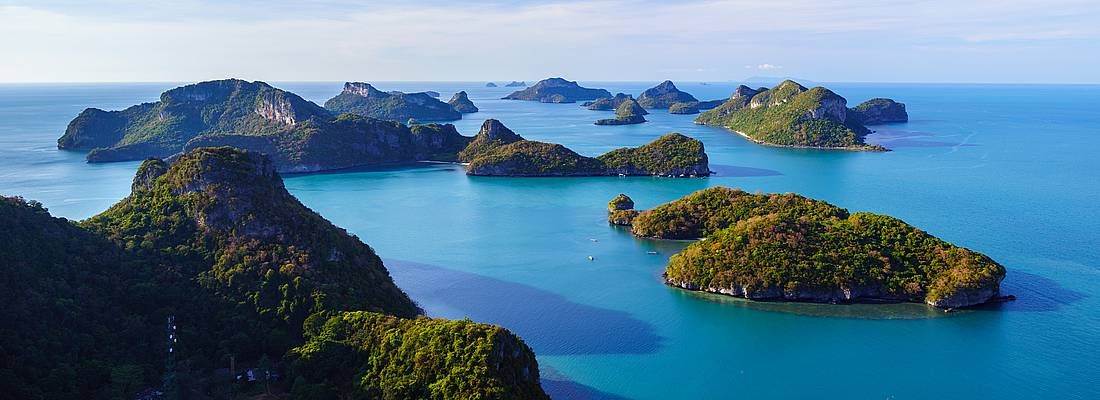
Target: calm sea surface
1011, 171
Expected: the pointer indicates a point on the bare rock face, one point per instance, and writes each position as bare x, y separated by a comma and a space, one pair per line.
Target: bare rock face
461, 102
831, 106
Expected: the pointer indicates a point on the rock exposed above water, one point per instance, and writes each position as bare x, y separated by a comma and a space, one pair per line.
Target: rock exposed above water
620, 210
461, 102
516, 84
785, 246
490, 84
627, 113
363, 99
557, 90
879, 111
663, 96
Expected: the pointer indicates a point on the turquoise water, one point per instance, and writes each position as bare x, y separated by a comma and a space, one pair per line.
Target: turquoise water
1011, 171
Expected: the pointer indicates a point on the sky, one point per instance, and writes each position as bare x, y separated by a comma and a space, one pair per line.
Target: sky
1005, 41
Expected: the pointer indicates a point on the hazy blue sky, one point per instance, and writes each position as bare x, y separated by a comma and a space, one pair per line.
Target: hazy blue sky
871, 41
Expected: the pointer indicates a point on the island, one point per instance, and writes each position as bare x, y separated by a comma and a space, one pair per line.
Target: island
607, 103
789, 247
210, 265
497, 151
620, 210
363, 99
627, 113
681, 107
879, 111
663, 96
790, 115
461, 102
557, 90
516, 84
490, 84
297, 134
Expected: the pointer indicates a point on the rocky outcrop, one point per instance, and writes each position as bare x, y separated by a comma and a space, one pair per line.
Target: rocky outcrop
557, 90
620, 210
516, 84
490, 84
627, 113
663, 96
363, 99
879, 111
461, 102
684, 108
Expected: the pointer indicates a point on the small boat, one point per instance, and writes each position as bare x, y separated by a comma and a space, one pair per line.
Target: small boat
590, 258
594, 240
651, 252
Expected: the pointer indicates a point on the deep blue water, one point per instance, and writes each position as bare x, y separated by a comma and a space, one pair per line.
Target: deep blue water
1010, 171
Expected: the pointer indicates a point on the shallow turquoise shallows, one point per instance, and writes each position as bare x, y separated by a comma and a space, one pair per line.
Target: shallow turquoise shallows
1011, 171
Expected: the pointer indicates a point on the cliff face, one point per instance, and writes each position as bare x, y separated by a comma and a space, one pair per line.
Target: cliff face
879, 111
557, 90
770, 246
363, 99
183, 113
663, 96
461, 102
297, 135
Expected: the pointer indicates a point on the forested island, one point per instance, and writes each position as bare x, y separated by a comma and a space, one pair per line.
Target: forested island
363, 99
211, 266
791, 115
663, 96
789, 247
628, 112
557, 90
497, 151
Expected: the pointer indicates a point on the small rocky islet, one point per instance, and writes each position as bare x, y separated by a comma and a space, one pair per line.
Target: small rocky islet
215, 243
628, 112
789, 247
461, 102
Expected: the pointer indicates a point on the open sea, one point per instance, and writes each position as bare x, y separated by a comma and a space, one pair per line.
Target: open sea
1012, 171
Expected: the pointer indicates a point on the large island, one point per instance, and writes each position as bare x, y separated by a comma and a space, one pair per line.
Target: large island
557, 90
790, 115
210, 264
789, 247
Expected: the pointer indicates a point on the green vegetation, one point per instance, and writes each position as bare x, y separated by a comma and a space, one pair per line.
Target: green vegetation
607, 103
785, 246
373, 356
215, 241
663, 96
363, 99
556, 90
620, 202
791, 115
671, 154
628, 112
497, 151
461, 102
878, 111
620, 210
684, 108
298, 135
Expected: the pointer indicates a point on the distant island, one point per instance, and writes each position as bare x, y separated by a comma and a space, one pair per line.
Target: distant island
627, 113
557, 90
789, 247
663, 96
497, 151
791, 115
209, 265
363, 99
607, 103
516, 84
297, 134
461, 102
490, 84
878, 111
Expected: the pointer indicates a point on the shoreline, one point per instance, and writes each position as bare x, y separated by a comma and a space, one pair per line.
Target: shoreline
791, 146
